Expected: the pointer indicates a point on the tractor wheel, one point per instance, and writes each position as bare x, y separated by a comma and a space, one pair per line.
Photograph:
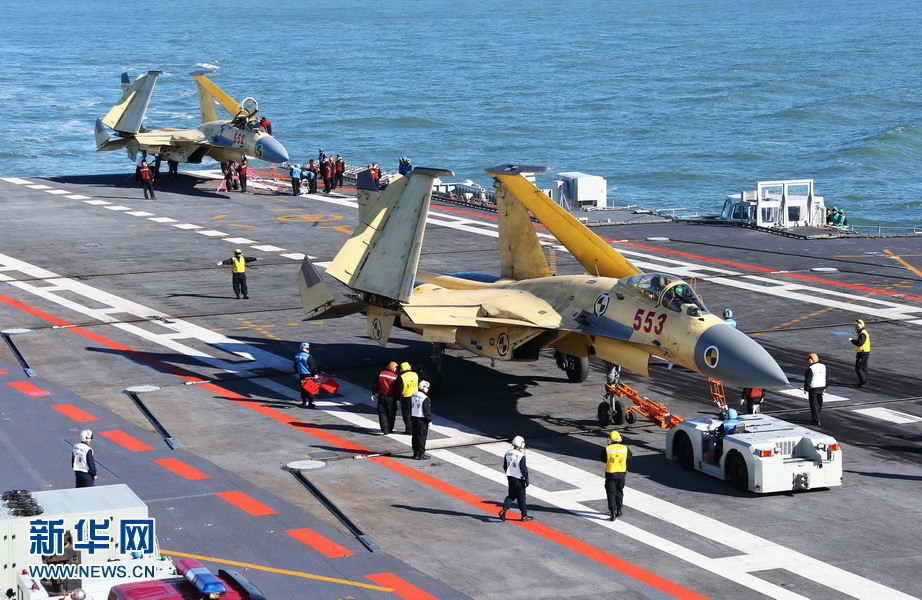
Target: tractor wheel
682, 448
737, 472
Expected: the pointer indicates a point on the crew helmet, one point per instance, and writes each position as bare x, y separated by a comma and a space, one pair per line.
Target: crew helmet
305, 346
392, 366
859, 324
518, 441
813, 357
614, 437
424, 386
732, 413
238, 251
86, 436
78, 594
405, 366
728, 314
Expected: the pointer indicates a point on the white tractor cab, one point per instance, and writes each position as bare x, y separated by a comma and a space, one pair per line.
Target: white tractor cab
764, 454
776, 204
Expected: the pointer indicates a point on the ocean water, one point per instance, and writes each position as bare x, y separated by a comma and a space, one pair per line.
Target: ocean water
675, 103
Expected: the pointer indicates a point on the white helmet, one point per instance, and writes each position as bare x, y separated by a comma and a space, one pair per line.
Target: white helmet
86, 436
728, 314
305, 346
424, 386
78, 594
518, 441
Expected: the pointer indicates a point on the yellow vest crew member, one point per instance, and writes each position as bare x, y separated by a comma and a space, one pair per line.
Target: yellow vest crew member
407, 385
238, 264
616, 457
862, 343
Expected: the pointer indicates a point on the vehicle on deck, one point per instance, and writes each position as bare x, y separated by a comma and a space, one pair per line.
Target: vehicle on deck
764, 454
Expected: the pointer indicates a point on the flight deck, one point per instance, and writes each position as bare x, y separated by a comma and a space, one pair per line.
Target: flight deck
102, 290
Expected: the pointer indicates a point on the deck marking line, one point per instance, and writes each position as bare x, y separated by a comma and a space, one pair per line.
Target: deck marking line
401, 587
125, 440
246, 503
321, 544
77, 414
235, 563
30, 389
182, 469
890, 415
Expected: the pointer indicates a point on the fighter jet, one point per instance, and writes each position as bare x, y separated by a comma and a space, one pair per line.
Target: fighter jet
613, 311
222, 140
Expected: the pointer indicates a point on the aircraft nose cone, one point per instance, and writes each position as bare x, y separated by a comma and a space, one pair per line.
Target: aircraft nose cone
271, 150
731, 356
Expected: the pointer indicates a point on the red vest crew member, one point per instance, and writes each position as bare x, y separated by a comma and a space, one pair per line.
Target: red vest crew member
147, 181
384, 391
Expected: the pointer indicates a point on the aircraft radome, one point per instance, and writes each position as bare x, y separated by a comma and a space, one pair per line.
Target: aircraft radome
614, 311
223, 140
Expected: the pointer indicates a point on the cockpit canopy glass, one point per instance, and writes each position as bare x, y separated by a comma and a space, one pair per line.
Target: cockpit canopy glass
670, 291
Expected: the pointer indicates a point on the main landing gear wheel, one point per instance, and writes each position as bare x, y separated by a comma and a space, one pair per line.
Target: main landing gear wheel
576, 367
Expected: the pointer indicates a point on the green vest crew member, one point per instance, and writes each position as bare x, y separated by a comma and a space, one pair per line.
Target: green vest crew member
238, 264
862, 343
407, 385
616, 457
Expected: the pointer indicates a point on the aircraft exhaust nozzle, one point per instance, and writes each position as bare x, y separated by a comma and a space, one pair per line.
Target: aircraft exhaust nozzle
724, 353
269, 149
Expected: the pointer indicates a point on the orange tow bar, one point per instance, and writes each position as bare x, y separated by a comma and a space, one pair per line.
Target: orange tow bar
653, 411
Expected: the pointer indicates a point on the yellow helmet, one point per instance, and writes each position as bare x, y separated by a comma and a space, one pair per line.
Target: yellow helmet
859, 324
614, 437
405, 366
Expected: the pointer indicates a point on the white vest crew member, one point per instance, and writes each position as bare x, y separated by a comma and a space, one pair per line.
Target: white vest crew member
82, 461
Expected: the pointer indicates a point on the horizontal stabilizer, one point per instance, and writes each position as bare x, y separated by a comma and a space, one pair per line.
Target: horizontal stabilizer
104, 143
315, 295
128, 115
593, 253
382, 255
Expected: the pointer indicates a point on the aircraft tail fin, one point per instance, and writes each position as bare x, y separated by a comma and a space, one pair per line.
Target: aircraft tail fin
594, 254
208, 92
128, 115
382, 255
520, 252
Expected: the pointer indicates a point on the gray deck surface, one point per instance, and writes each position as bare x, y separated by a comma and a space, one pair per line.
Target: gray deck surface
153, 309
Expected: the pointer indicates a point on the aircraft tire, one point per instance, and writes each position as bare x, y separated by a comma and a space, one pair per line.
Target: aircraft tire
577, 368
618, 416
682, 448
605, 414
737, 472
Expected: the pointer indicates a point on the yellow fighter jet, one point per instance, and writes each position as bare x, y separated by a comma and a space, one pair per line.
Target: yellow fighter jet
222, 140
614, 311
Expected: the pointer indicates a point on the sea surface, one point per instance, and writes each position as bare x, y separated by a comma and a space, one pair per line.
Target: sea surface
675, 103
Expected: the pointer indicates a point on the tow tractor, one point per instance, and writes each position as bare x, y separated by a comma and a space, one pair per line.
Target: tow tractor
764, 454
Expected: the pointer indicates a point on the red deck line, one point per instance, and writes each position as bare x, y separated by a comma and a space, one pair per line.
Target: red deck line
125, 440
2, 372
321, 544
242, 500
28, 388
246, 503
401, 587
182, 469
77, 414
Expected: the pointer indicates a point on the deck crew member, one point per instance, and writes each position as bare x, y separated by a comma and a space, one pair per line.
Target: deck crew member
238, 264
814, 385
729, 422
407, 385
295, 174
728, 318
862, 343
616, 457
517, 476
383, 391
82, 461
421, 418
753, 398
306, 367
339, 171
242, 173
147, 180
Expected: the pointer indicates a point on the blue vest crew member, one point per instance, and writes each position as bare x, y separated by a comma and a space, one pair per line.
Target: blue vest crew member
295, 174
407, 385
238, 264
728, 318
384, 391
420, 420
306, 367
616, 457
517, 477
814, 385
82, 461
862, 343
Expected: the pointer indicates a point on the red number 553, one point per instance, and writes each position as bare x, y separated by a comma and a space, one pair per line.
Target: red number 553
644, 319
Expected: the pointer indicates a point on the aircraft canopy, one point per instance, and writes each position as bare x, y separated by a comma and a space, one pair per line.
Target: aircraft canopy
668, 290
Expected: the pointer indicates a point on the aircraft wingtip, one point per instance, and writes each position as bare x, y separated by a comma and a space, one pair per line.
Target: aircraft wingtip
515, 169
